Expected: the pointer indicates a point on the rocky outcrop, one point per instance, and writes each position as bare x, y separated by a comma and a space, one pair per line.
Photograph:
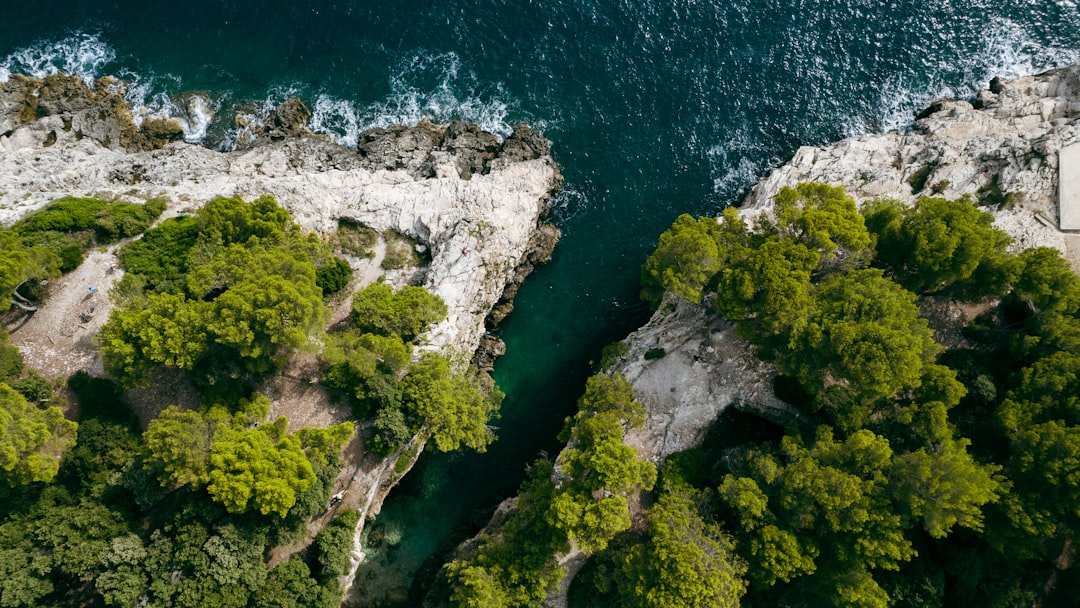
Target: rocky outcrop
1001, 149
475, 207
687, 365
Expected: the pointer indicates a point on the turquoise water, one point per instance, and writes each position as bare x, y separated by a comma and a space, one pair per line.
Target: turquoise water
654, 109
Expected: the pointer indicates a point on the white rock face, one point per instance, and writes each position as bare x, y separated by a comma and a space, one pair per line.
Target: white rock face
705, 368
477, 226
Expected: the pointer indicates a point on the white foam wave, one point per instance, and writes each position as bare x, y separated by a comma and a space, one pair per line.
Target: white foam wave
1008, 50
195, 113
337, 118
81, 54
737, 163
431, 86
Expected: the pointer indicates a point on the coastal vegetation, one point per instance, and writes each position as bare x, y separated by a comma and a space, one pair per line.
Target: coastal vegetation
187, 510
912, 472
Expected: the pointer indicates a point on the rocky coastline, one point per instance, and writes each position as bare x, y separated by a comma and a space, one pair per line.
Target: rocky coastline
475, 205
1000, 149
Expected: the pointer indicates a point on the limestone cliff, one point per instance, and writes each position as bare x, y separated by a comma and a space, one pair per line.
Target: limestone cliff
474, 204
1002, 147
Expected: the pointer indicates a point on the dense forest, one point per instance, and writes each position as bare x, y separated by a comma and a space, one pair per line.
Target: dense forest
184, 509
911, 473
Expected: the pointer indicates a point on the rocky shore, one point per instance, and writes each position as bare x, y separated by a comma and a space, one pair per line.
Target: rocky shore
1001, 149
454, 188
473, 204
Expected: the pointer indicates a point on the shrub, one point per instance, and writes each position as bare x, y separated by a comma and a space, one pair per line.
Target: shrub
408, 312
11, 359
333, 545
390, 431
400, 252
355, 239
612, 352
655, 353
67, 249
991, 195
334, 276
161, 256
108, 221
918, 179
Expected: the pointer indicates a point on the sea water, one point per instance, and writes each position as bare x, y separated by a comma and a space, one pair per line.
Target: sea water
654, 108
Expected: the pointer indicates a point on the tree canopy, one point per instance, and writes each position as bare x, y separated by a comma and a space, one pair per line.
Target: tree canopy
260, 469
32, 440
246, 290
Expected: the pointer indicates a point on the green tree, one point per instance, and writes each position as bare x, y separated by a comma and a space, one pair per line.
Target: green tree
612, 393
685, 562
685, 260
820, 509
245, 469
259, 469
290, 585
160, 257
771, 286
823, 218
452, 406
11, 359
333, 545
865, 329
515, 567
178, 444
124, 580
169, 330
32, 440
1042, 419
406, 313
936, 243
944, 486
14, 264
231, 220
1047, 282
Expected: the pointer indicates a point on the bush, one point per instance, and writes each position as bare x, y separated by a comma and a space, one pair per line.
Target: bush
991, 195
161, 256
68, 214
333, 546
67, 249
355, 239
918, 179
612, 352
108, 221
390, 431
408, 312
11, 360
400, 252
332, 277
655, 353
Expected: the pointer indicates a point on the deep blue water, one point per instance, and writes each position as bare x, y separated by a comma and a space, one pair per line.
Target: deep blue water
654, 109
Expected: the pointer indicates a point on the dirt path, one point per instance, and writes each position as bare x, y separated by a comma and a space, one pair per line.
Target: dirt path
57, 339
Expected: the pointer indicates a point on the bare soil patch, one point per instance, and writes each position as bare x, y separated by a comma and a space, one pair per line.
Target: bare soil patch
57, 339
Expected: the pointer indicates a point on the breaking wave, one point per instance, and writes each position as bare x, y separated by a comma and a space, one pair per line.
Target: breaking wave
1007, 50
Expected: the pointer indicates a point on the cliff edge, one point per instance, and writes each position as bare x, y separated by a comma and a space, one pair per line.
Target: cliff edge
1008, 150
